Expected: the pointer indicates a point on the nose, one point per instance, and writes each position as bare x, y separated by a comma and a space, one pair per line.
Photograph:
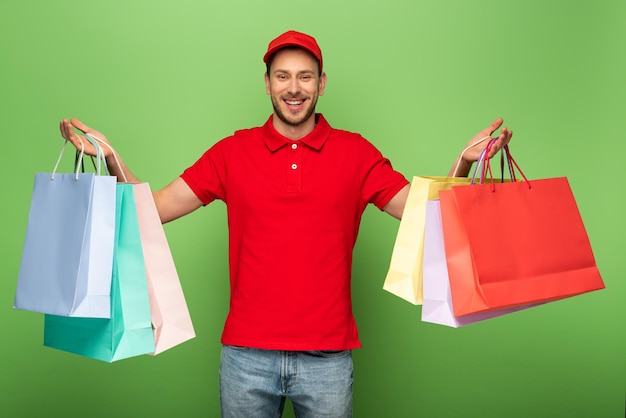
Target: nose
294, 86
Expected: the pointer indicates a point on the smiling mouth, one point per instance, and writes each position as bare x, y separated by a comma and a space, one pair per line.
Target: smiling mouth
293, 102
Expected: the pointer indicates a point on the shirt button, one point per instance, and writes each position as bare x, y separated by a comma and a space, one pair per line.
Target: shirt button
294, 146
294, 166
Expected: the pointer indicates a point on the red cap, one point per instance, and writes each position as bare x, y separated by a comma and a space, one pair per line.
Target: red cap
293, 38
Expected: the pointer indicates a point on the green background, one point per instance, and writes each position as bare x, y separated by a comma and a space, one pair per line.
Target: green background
165, 80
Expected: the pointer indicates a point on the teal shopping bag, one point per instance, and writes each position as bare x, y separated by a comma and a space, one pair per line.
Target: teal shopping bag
128, 332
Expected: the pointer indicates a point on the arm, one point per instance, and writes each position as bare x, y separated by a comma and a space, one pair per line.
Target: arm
463, 163
395, 206
173, 201
461, 166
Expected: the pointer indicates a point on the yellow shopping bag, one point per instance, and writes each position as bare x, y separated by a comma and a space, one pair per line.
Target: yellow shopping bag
404, 278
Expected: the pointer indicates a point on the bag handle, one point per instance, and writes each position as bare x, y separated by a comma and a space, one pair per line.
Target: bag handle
99, 155
95, 140
79, 160
463, 152
505, 154
483, 164
480, 162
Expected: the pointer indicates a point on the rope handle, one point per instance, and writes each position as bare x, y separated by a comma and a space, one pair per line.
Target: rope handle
483, 164
100, 159
465, 150
94, 140
78, 162
99, 154
505, 154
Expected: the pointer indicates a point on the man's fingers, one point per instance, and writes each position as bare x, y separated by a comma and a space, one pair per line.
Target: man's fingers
79, 125
67, 131
63, 127
496, 124
500, 142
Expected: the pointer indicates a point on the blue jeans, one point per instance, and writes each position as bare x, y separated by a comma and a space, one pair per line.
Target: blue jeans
255, 383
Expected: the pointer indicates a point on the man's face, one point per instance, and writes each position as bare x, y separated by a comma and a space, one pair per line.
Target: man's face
294, 85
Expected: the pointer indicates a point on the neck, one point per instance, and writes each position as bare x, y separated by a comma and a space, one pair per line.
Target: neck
294, 132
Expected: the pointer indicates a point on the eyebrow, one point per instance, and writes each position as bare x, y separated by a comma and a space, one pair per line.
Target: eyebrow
278, 70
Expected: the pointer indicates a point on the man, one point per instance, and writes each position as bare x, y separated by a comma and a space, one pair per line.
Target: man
295, 190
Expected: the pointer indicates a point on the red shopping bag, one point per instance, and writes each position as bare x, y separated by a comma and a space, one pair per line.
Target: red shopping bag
437, 304
511, 244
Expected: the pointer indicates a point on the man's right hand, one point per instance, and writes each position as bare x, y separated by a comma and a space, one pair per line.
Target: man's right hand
68, 132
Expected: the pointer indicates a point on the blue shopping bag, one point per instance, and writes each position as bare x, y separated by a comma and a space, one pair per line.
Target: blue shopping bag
68, 249
128, 332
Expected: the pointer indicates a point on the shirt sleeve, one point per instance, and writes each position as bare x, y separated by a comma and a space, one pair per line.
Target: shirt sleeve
381, 182
205, 176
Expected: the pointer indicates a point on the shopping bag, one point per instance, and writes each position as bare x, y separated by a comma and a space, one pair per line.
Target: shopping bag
437, 306
404, 277
68, 249
515, 243
128, 332
170, 316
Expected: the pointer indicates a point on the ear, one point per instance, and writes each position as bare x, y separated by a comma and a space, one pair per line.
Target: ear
322, 84
267, 84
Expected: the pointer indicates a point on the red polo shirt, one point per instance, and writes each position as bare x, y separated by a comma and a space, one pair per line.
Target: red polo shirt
294, 209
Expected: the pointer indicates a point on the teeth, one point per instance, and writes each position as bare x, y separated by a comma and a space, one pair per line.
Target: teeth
293, 103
